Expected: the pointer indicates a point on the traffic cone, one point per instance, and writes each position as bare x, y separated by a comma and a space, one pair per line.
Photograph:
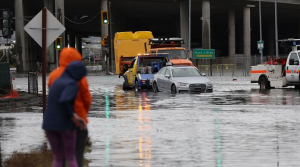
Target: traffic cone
11, 94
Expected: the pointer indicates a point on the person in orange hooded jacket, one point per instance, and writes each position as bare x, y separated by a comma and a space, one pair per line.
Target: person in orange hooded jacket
83, 99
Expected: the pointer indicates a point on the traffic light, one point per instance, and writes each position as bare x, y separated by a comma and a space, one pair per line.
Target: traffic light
104, 15
104, 41
7, 30
58, 43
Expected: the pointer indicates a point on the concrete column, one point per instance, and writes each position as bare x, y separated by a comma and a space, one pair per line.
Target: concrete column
50, 53
184, 22
21, 38
60, 6
79, 44
299, 29
271, 39
231, 33
206, 37
72, 40
247, 40
247, 32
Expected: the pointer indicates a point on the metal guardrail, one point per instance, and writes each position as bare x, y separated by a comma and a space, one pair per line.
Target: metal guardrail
33, 82
5, 78
228, 66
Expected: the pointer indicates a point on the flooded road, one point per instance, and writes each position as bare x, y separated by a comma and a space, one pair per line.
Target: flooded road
236, 125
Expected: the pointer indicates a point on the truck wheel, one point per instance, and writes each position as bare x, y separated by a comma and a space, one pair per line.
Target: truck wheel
173, 89
154, 87
125, 85
264, 84
136, 86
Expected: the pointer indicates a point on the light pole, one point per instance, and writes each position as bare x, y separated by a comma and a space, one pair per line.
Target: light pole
276, 31
190, 8
261, 50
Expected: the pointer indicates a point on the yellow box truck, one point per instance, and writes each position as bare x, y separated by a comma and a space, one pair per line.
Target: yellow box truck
128, 45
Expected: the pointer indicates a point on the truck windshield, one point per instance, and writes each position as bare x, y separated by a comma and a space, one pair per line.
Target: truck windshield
185, 72
175, 54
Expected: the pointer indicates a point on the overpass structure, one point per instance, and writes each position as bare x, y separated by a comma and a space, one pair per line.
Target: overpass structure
229, 26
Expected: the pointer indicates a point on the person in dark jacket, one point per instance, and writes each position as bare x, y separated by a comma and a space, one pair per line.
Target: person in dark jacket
60, 119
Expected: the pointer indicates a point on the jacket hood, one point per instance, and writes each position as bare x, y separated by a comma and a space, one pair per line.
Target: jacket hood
67, 55
76, 70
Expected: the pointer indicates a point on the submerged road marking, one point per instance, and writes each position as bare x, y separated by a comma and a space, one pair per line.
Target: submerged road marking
218, 137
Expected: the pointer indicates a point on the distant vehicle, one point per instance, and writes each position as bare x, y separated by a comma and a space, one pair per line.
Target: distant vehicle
181, 79
280, 72
139, 75
172, 46
89, 58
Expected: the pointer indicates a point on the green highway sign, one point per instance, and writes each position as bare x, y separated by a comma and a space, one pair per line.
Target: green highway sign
204, 53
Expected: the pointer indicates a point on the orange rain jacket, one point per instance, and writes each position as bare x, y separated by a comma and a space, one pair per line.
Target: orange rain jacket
84, 99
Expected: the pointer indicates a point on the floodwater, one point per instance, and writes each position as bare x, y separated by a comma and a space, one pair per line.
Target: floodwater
236, 125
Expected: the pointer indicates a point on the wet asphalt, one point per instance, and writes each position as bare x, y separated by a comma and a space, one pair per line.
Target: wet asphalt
236, 125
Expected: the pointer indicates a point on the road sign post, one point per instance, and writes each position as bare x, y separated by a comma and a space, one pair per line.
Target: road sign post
260, 47
205, 54
44, 35
44, 39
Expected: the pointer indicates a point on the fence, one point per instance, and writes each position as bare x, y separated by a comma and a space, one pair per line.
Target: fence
94, 66
228, 66
5, 78
33, 82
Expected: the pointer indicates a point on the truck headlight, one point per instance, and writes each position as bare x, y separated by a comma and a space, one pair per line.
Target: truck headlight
182, 84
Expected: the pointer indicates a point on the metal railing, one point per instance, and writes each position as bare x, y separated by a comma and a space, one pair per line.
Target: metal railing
228, 66
5, 78
33, 82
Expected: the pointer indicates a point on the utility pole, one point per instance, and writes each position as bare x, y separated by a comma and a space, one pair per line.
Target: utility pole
276, 30
108, 36
260, 29
56, 15
190, 15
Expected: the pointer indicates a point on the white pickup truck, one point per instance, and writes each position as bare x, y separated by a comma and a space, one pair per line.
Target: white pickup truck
282, 72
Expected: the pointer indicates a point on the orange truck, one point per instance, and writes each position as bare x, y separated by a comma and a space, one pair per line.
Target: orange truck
128, 45
177, 54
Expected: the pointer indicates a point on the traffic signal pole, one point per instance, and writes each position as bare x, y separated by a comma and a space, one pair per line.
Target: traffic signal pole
108, 37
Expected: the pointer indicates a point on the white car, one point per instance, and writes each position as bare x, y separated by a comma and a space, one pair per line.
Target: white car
180, 79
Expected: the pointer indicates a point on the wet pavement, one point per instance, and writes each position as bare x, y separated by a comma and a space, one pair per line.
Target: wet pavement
236, 125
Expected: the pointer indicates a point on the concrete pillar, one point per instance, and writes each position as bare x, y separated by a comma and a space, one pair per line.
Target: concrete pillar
79, 44
247, 40
247, 32
271, 39
72, 40
206, 36
21, 37
184, 22
299, 29
231, 33
60, 6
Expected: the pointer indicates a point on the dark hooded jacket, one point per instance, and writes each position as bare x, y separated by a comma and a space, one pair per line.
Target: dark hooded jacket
62, 94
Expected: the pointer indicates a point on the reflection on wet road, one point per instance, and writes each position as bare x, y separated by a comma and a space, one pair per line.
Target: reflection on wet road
236, 125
